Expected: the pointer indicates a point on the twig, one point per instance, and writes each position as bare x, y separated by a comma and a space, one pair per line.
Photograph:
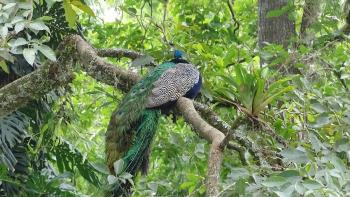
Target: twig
240, 151
216, 121
236, 22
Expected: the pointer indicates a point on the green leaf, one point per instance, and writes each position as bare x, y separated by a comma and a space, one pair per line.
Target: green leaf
275, 86
315, 142
279, 12
291, 176
112, 179
259, 97
38, 26
270, 98
3, 31
118, 166
300, 188
8, 6
83, 7
295, 155
45, 18
4, 53
153, 186
19, 26
18, 42
69, 13
318, 107
25, 5
132, 10
101, 168
47, 51
345, 76
29, 55
274, 181
4, 67
238, 173
286, 191
312, 185
13, 128
186, 185
342, 145
321, 121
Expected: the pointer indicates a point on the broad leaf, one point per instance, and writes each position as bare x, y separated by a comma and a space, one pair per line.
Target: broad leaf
275, 181
38, 26
29, 54
70, 14
4, 66
295, 155
83, 7
47, 51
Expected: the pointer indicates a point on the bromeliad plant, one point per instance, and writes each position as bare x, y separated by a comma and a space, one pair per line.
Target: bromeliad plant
249, 91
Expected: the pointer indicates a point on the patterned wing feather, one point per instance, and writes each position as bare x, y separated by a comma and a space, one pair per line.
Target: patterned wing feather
173, 84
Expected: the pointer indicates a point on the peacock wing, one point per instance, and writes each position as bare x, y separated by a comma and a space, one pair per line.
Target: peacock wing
173, 84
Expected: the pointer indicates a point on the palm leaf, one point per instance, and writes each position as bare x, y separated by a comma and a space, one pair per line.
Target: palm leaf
12, 131
68, 158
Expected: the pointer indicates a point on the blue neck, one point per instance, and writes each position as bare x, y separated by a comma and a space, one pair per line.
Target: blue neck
179, 60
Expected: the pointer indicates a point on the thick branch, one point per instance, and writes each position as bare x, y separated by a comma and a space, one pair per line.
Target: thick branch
211, 134
118, 53
101, 70
34, 85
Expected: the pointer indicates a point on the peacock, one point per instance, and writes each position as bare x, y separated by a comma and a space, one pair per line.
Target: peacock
135, 121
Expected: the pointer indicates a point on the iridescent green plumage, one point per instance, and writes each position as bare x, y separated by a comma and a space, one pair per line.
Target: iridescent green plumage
134, 123
132, 126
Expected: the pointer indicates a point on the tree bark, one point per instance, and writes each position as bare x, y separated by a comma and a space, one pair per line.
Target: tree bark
211, 134
277, 30
311, 13
33, 86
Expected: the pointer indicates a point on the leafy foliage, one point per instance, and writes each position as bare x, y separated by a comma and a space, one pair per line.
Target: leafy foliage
14, 21
68, 158
249, 89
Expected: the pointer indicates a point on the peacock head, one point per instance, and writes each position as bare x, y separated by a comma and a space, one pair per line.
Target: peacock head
178, 54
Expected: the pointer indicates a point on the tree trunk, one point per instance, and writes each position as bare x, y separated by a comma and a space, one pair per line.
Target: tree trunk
311, 13
277, 30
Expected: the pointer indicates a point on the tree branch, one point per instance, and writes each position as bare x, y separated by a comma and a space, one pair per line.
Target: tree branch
33, 86
36, 84
101, 70
118, 53
235, 21
211, 134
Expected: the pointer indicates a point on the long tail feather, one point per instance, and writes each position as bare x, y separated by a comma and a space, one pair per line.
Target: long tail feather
124, 120
135, 157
